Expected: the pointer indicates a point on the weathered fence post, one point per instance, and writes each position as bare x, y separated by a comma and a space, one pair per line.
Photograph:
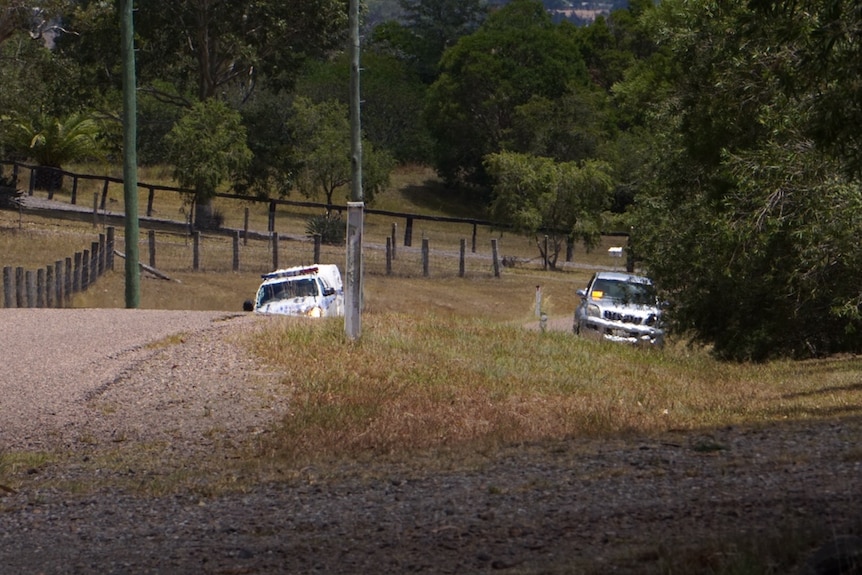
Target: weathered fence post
425, 257
94, 263
236, 251
462, 258
389, 251
151, 192
394, 238
271, 224
408, 233
32, 182
538, 300
495, 257
76, 277
245, 227
545, 259
274, 239
74, 199
151, 243
69, 280
30, 283
196, 251
85, 270
570, 248
59, 274
20, 288
95, 209
474, 238
50, 286
103, 242
9, 300
317, 241
109, 248
104, 194
40, 287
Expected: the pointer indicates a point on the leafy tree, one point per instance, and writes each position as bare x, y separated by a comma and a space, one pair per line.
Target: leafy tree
52, 142
745, 219
207, 47
321, 136
516, 55
539, 196
829, 68
266, 116
207, 146
392, 101
30, 16
192, 50
429, 27
569, 128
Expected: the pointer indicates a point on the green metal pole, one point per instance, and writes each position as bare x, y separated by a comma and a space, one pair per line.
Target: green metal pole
130, 156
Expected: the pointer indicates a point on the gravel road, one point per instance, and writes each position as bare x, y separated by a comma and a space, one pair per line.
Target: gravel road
53, 361
97, 383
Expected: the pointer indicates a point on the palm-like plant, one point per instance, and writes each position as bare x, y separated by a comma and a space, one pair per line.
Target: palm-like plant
52, 142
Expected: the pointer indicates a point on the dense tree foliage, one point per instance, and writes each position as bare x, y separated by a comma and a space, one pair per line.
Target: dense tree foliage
321, 150
732, 127
206, 147
426, 29
518, 54
749, 214
392, 101
542, 197
203, 48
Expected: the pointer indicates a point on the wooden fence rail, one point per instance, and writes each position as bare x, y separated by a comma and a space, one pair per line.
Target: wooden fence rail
271, 235
202, 245
18, 167
54, 285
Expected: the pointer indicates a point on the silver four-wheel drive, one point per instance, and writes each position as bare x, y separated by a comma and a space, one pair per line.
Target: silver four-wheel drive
620, 307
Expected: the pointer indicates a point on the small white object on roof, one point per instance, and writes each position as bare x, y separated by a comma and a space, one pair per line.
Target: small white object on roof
616, 252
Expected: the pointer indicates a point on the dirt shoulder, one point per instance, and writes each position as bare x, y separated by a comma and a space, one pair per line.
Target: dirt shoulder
574, 506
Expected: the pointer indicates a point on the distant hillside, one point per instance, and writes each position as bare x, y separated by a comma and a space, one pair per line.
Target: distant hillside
576, 11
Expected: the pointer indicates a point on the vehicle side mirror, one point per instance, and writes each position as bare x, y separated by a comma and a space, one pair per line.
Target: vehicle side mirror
328, 291
248, 305
582, 292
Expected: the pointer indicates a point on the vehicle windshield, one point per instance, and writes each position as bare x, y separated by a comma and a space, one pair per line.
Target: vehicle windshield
627, 292
306, 287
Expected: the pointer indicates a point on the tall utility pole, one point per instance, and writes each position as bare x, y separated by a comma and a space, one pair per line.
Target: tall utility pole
356, 207
130, 155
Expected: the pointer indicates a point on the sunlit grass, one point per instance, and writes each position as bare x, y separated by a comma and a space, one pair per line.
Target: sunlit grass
417, 382
444, 367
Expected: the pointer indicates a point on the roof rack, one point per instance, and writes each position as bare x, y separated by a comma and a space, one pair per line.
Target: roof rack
290, 272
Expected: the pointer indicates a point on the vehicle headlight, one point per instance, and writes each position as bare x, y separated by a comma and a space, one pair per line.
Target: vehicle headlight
314, 312
594, 311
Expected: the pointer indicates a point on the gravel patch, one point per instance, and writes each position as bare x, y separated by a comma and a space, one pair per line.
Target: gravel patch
573, 506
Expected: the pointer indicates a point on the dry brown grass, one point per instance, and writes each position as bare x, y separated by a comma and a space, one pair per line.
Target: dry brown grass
444, 361
419, 381
444, 368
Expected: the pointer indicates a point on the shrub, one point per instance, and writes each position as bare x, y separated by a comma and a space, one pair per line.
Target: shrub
329, 226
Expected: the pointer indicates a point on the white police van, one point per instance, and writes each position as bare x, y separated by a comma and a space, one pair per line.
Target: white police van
311, 291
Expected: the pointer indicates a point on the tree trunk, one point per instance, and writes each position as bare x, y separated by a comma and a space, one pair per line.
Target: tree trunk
206, 217
48, 178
